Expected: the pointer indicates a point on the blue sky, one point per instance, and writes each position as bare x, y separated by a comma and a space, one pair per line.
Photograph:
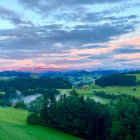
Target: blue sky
44, 35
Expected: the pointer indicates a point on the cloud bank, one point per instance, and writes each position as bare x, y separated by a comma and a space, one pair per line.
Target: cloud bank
63, 35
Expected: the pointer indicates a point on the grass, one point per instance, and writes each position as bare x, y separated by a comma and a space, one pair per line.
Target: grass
130, 90
13, 126
90, 90
121, 90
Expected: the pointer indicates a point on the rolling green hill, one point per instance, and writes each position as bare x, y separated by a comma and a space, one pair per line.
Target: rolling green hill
13, 126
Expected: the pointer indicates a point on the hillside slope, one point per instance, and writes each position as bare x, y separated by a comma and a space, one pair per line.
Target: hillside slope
13, 126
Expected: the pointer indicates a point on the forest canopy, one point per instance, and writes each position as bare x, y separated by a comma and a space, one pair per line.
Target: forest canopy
117, 80
88, 119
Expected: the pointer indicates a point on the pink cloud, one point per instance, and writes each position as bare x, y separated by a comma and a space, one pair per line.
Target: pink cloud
128, 41
75, 52
127, 56
40, 64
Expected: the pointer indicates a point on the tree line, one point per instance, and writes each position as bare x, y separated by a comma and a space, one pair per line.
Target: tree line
29, 86
105, 95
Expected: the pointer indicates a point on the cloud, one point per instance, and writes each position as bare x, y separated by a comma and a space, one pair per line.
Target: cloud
13, 17
47, 38
127, 50
94, 34
70, 34
68, 10
101, 56
105, 16
84, 46
127, 56
40, 5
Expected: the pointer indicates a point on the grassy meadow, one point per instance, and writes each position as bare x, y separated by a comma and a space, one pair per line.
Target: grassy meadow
13, 126
110, 90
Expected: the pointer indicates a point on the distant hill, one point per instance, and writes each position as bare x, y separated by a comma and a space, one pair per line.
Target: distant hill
75, 77
15, 73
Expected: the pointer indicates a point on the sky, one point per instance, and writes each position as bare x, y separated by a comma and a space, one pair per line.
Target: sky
59, 35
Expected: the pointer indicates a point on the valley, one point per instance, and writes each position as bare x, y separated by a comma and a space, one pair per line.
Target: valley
23, 97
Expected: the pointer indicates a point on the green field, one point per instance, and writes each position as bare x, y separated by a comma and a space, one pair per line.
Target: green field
90, 90
130, 90
13, 126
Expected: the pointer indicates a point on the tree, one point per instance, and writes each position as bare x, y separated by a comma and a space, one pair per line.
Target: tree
73, 93
117, 80
126, 122
33, 118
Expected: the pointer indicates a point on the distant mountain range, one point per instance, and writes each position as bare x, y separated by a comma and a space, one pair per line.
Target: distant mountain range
65, 73
15, 73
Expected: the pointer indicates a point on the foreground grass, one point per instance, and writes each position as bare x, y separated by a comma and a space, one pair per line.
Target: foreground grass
13, 126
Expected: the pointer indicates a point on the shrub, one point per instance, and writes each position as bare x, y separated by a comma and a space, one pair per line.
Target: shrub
33, 118
20, 104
